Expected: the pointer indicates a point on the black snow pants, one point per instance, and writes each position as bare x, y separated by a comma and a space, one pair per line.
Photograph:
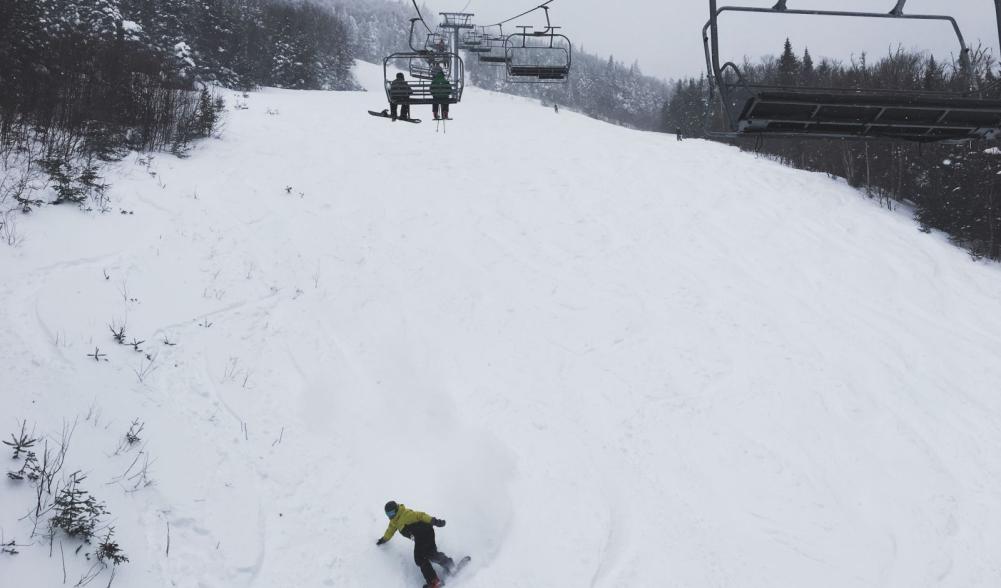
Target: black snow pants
426, 551
404, 110
440, 106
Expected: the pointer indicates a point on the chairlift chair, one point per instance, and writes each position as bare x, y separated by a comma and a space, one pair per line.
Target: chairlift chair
420, 86
473, 42
434, 54
535, 57
495, 53
538, 56
758, 110
436, 42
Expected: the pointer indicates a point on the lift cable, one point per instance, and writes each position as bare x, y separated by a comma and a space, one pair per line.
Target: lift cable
423, 22
526, 13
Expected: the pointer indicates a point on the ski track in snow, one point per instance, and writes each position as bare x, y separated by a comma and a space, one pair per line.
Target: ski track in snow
606, 358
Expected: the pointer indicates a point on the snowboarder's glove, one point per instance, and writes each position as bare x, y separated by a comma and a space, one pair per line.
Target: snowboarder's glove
380, 541
438, 522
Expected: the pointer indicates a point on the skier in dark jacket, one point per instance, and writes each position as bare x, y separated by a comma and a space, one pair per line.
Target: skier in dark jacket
399, 96
441, 93
419, 527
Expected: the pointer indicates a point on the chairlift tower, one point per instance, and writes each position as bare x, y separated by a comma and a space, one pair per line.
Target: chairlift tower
456, 22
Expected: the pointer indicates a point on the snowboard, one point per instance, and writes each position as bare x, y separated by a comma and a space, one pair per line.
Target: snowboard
458, 567
461, 564
385, 114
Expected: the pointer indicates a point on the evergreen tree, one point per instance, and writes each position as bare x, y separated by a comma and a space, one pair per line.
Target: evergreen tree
789, 66
807, 72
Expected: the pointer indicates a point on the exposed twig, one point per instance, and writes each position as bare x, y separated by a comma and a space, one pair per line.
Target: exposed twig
136, 476
91, 574
145, 368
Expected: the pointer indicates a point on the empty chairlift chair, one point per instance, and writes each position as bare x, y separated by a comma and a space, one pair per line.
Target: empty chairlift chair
538, 56
494, 53
756, 110
473, 41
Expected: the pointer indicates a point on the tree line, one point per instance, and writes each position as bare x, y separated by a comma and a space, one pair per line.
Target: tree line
88, 80
951, 188
601, 88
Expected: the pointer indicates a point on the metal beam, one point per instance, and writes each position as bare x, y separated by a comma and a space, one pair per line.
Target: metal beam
997, 10
714, 33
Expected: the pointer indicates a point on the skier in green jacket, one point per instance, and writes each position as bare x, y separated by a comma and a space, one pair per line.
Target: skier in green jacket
441, 93
419, 527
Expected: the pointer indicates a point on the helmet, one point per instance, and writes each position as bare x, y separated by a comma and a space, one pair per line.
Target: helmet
391, 507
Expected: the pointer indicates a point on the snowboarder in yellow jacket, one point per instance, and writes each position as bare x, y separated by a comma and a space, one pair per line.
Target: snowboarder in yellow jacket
419, 527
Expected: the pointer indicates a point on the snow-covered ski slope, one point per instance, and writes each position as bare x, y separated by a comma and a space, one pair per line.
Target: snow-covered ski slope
606, 358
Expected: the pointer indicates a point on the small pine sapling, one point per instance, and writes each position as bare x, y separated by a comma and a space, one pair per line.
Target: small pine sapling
60, 173
91, 183
117, 332
22, 442
10, 547
30, 469
77, 512
108, 550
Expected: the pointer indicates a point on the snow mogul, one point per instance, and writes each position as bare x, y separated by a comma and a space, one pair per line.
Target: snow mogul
419, 527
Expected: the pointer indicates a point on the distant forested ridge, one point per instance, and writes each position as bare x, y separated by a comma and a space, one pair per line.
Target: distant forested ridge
952, 188
601, 88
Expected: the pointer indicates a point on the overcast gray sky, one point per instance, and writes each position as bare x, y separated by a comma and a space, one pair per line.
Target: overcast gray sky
665, 35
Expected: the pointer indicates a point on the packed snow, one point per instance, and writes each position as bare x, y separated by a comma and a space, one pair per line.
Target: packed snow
605, 357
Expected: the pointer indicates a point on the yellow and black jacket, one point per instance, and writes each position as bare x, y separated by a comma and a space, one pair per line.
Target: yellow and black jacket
403, 519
